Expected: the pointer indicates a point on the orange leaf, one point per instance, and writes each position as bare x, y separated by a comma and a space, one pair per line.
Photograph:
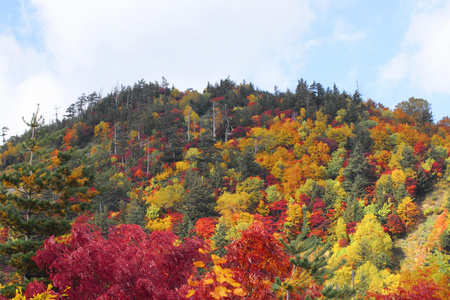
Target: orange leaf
190, 293
199, 264
239, 292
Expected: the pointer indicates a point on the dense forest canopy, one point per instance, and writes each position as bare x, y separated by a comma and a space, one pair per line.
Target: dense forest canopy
151, 192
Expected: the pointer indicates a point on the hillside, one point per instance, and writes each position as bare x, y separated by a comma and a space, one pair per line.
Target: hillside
218, 177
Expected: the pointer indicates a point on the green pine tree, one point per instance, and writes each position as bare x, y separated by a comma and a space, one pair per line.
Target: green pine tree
38, 198
357, 165
199, 199
135, 212
308, 256
220, 239
247, 164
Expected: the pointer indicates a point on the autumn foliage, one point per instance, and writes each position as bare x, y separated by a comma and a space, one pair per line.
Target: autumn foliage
127, 264
196, 195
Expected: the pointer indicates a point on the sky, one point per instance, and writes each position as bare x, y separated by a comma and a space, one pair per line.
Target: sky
53, 51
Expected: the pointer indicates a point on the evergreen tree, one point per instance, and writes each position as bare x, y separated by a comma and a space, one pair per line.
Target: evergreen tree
308, 257
101, 220
217, 176
358, 189
220, 239
444, 241
38, 198
199, 199
301, 95
330, 196
385, 190
409, 159
354, 109
136, 210
186, 228
357, 165
424, 181
401, 192
247, 164
353, 212
364, 138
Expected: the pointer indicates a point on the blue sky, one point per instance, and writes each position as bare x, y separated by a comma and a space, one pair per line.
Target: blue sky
52, 51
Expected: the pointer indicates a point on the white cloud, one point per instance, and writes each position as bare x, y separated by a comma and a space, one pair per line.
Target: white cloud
201, 39
344, 32
85, 46
24, 82
424, 58
396, 70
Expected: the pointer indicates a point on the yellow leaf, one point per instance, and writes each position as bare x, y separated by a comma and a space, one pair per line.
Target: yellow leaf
234, 283
208, 281
239, 292
217, 260
193, 282
190, 293
199, 264
219, 291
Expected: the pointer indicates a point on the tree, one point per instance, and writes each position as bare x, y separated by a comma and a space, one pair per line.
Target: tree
254, 187
198, 202
128, 264
4, 133
71, 111
417, 108
39, 197
395, 225
247, 164
357, 167
35, 122
409, 212
309, 270
205, 227
363, 136
370, 243
255, 259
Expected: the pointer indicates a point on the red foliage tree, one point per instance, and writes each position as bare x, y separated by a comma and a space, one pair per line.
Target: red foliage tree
395, 224
319, 222
255, 260
205, 227
419, 149
128, 264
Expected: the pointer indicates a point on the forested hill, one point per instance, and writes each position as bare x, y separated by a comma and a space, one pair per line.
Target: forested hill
213, 181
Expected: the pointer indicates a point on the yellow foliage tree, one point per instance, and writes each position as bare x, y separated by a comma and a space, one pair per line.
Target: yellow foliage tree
380, 137
234, 203
409, 212
340, 229
320, 124
370, 234
159, 224
319, 153
254, 187
11, 151
166, 197
286, 132
269, 160
370, 279
102, 131
340, 134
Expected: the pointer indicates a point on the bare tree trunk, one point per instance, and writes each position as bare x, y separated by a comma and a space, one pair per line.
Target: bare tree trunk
148, 156
214, 121
189, 124
115, 138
